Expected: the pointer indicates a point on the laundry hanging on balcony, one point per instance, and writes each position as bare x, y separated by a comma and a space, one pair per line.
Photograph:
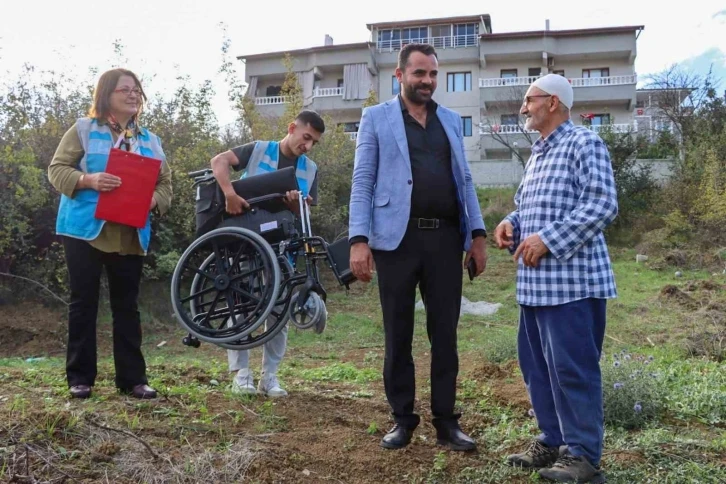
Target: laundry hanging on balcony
252, 88
356, 81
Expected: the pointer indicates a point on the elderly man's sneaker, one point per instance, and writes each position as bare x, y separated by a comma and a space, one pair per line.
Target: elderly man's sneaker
143, 391
569, 468
80, 391
270, 386
536, 456
243, 383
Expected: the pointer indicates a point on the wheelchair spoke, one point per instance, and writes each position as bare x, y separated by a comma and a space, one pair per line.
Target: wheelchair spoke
235, 261
200, 272
231, 307
200, 293
245, 274
246, 294
219, 260
205, 321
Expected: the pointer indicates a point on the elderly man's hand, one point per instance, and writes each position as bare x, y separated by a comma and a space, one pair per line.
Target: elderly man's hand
531, 249
503, 235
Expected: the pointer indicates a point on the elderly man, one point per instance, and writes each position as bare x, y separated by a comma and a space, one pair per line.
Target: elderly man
566, 199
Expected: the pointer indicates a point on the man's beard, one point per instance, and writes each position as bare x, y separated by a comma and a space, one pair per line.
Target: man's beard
413, 94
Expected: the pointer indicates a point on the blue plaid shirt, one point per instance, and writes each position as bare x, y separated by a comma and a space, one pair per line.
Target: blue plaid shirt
567, 196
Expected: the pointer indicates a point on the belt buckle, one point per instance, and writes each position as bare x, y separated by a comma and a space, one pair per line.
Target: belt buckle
428, 223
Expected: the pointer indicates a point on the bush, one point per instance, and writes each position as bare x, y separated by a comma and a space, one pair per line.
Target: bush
633, 393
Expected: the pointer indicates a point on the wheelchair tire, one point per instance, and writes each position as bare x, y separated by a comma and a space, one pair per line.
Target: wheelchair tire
223, 281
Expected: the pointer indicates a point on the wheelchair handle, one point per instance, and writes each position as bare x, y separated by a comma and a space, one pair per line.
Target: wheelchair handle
194, 174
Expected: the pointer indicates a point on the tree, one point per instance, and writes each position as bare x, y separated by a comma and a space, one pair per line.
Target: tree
372, 98
512, 134
333, 154
678, 94
634, 182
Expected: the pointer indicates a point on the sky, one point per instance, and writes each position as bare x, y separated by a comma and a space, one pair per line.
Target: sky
167, 39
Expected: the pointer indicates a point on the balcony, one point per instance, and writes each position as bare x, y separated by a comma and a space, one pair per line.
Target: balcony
447, 42
588, 90
449, 49
505, 129
323, 99
353, 135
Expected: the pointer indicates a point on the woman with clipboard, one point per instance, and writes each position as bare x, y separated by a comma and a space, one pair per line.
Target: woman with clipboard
91, 244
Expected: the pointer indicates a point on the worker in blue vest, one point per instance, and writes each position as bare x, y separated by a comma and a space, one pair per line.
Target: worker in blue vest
253, 159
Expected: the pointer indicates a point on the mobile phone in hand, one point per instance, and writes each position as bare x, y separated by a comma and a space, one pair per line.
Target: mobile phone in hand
471, 268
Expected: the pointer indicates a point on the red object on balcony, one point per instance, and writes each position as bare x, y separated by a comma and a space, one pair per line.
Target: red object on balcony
587, 116
640, 112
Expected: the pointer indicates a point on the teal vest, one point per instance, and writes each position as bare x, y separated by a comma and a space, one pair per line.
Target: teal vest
76, 215
265, 158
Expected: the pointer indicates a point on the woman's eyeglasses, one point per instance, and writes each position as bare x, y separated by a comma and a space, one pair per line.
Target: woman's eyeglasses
127, 91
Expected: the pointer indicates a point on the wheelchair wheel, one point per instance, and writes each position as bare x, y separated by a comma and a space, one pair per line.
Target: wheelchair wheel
310, 314
278, 317
225, 285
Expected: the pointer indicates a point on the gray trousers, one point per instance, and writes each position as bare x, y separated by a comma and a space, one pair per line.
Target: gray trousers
272, 353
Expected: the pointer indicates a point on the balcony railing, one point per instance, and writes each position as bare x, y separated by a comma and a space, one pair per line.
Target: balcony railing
446, 42
517, 129
507, 81
576, 81
504, 129
269, 100
319, 92
328, 91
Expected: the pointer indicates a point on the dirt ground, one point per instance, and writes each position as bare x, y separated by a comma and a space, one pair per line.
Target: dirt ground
320, 433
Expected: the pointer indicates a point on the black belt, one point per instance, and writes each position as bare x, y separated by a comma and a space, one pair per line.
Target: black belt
431, 223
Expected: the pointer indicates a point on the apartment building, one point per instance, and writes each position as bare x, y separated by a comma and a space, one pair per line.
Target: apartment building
482, 75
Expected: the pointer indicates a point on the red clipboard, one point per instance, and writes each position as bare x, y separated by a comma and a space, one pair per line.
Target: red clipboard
129, 204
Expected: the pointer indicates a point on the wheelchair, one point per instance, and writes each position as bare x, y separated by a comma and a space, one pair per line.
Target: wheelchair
238, 283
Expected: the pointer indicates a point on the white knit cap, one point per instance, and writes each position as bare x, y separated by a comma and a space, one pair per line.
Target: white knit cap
556, 85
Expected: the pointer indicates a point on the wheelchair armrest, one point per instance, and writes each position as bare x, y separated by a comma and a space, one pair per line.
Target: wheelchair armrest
265, 198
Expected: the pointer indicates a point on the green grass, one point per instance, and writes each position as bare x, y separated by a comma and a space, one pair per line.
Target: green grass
335, 379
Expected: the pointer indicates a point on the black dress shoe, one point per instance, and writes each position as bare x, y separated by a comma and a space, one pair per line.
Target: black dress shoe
454, 438
143, 391
397, 438
80, 391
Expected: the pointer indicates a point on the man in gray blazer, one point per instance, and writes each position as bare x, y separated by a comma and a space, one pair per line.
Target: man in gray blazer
414, 212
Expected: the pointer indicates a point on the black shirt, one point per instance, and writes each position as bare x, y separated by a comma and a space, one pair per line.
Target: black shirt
244, 152
434, 190
433, 194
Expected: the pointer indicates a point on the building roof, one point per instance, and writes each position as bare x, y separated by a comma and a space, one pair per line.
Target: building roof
309, 50
431, 21
562, 33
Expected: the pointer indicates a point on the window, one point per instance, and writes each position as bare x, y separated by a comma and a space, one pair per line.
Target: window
508, 73
559, 73
510, 119
273, 90
590, 73
350, 127
466, 125
395, 85
465, 34
534, 71
390, 38
441, 36
458, 81
414, 35
340, 82
596, 120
